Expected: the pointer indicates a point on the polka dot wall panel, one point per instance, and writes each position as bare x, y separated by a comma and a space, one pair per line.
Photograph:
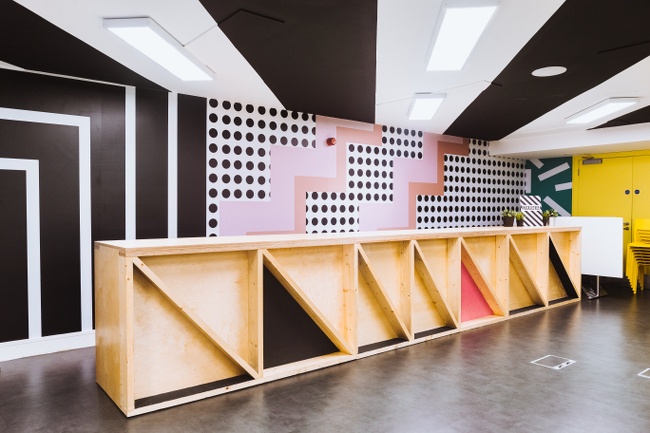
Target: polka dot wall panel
331, 212
370, 173
477, 189
240, 139
402, 143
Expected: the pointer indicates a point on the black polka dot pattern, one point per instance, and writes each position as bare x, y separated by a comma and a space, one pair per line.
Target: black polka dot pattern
369, 173
331, 212
239, 142
477, 189
403, 143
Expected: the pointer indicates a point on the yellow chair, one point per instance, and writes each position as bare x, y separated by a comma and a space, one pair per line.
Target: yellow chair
638, 254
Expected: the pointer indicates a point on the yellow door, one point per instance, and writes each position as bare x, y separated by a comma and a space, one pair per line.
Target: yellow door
606, 189
641, 188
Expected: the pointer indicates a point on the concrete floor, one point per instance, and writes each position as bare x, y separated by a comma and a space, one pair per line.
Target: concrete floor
477, 381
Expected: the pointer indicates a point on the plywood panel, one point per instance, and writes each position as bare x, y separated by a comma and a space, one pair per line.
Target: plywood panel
555, 288
372, 322
519, 297
386, 260
472, 264
291, 335
436, 257
169, 352
562, 242
528, 249
111, 346
313, 309
320, 274
215, 286
484, 254
398, 315
425, 313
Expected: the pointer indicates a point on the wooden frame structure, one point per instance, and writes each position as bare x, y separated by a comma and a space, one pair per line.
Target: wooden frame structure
178, 320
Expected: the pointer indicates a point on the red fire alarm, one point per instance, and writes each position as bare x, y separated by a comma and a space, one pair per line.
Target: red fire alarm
331, 141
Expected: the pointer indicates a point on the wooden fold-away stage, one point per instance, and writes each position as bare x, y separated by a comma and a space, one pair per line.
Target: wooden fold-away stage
178, 320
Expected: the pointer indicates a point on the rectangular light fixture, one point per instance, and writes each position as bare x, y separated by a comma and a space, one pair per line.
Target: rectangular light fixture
600, 110
425, 105
460, 25
145, 35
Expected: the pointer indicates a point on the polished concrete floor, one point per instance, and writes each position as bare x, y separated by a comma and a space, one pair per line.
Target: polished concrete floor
477, 381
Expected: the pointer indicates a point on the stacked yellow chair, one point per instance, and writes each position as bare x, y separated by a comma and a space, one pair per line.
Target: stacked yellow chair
638, 254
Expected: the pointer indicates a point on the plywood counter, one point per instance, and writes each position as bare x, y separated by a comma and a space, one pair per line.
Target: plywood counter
178, 320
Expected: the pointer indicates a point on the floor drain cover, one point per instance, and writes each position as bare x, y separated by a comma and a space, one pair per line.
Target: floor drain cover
645, 373
553, 362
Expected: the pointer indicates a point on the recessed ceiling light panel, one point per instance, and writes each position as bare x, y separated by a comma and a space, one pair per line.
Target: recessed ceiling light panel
424, 105
145, 35
600, 110
549, 71
460, 25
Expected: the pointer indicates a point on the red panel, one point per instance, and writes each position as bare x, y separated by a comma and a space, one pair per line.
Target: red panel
472, 302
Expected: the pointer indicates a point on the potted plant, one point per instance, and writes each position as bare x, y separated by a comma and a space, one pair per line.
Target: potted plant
548, 216
519, 217
508, 217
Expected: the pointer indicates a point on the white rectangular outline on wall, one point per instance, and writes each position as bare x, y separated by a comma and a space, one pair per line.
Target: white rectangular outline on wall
30, 167
172, 166
129, 162
85, 237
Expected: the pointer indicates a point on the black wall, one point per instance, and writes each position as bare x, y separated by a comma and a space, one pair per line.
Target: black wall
151, 164
191, 166
13, 267
56, 148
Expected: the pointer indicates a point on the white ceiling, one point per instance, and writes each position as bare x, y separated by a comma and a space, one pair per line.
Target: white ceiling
403, 37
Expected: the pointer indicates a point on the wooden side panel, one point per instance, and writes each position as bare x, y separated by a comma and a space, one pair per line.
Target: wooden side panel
432, 292
484, 254
519, 297
475, 263
425, 313
574, 264
562, 242
170, 353
255, 310
567, 245
394, 312
372, 322
326, 300
110, 326
555, 288
386, 261
527, 245
320, 273
542, 275
436, 255
216, 287
502, 266
521, 269
350, 291
454, 280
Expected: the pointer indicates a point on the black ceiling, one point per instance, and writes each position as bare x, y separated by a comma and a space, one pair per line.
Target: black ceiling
316, 56
33, 43
595, 40
319, 56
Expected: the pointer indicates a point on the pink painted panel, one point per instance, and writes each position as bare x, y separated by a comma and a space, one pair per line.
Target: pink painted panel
472, 302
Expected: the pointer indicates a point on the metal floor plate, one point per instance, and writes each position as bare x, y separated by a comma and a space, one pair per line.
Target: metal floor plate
553, 362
